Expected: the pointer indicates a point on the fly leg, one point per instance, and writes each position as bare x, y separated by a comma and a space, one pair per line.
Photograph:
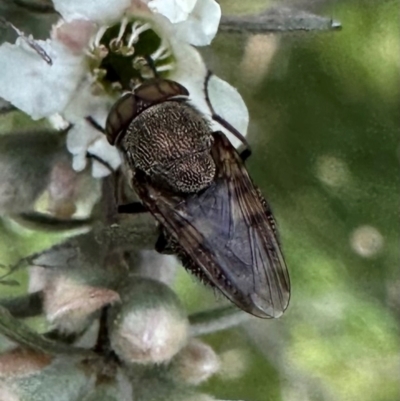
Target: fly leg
91, 121
164, 245
132, 208
129, 208
246, 152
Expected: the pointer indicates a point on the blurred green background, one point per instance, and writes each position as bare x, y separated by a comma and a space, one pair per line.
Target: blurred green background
325, 118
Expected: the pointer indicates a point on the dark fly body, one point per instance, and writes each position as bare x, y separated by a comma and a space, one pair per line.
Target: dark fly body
195, 183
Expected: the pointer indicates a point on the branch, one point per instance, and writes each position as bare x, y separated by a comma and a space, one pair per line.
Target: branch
42, 6
278, 20
213, 320
24, 306
23, 335
48, 223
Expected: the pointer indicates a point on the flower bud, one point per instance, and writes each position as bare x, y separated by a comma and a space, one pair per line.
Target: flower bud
196, 363
154, 265
21, 362
69, 305
76, 282
70, 193
150, 325
234, 363
29, 376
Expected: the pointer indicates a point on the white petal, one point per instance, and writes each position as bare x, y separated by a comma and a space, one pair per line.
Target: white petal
58, 122
80, 137
74, 35
83, 137
101, 11
32, 85
201, 26
79, 162
104, 151
229, 105
190, 71
226, 101
174, 10
99, 170
86, 102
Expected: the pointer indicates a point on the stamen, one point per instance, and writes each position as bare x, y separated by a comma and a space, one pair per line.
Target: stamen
135, 26
165, 67
134, 83
139, 62
136, 31
101, 51
127, 51
99, 73
116, 86
89, 54
161, 53
115, 45
97, 89
122, 28
146, 73
99, 35
97, 52
165, 55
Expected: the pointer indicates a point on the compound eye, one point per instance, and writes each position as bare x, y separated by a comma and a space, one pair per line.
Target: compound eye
159, 90
120, 116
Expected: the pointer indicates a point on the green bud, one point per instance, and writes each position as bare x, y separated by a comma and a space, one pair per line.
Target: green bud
150, 324
196, 363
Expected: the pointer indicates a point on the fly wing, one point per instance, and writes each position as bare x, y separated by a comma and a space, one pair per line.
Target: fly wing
227, 231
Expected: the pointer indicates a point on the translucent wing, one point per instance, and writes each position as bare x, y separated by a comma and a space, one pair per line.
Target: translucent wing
226, 234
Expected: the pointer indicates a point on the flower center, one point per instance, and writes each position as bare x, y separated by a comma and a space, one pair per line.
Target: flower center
124, 55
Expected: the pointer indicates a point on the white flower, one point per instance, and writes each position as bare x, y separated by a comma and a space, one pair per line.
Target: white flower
202, 25
75, 85
202, 16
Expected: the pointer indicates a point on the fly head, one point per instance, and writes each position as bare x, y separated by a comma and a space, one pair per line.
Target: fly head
162, 135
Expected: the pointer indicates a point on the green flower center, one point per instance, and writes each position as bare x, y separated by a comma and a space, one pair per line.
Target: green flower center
127, 54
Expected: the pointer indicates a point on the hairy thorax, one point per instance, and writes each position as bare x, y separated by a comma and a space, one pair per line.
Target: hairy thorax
171, 143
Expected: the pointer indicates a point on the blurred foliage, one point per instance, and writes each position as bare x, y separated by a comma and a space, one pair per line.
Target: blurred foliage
325, 134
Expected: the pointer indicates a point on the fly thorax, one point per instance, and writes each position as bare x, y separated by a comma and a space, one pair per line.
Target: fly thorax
171, 143
190, 174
